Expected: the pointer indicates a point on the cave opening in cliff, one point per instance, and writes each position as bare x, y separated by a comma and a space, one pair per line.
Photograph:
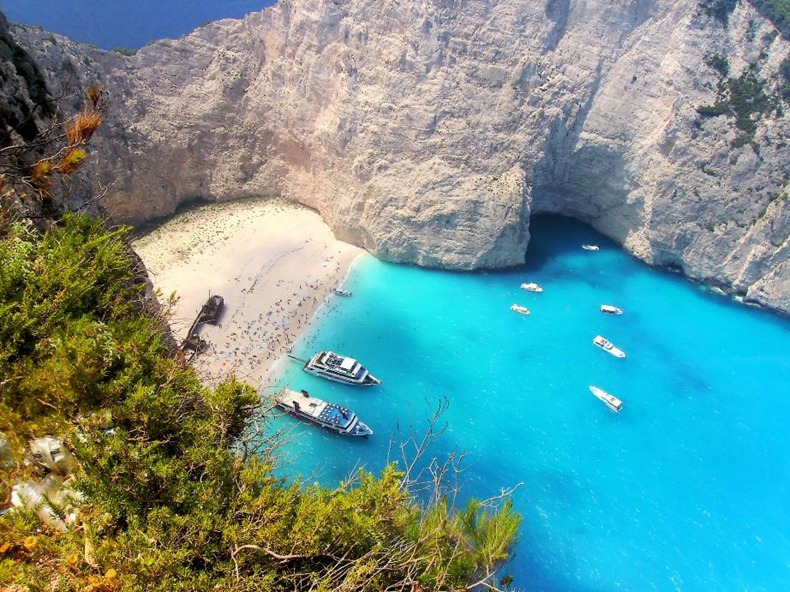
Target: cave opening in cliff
552, 235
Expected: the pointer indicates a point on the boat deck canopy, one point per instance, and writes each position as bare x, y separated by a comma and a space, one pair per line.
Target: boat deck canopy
348, 364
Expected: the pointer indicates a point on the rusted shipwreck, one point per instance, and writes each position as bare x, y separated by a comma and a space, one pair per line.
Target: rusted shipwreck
210, 313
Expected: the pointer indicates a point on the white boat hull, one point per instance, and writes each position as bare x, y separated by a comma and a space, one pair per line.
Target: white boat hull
531, 287
337, 368
612, 402
608, 347
367, 380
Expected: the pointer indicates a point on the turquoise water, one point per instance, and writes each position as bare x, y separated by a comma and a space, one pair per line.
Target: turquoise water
687, 488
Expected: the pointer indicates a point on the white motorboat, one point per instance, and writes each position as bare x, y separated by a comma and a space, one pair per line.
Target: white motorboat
608, 346
332, 366
329, 416
342, 292
519, 309
531, 287
591, 247
612, 310
609, 400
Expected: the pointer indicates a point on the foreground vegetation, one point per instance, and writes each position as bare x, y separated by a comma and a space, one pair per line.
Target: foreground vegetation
176, 495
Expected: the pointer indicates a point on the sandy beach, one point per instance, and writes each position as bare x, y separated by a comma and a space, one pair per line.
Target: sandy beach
275, 264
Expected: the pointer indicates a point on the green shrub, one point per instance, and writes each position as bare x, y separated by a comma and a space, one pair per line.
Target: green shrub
718, 62
745, 99
713, 110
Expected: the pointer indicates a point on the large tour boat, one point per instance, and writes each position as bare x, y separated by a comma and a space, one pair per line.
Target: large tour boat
608, 346
609, 400
329, 416
332, 366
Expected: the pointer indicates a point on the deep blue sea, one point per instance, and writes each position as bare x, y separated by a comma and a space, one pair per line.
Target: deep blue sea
688, 488
127, 24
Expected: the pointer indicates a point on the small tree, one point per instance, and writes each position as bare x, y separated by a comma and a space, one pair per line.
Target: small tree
30, 168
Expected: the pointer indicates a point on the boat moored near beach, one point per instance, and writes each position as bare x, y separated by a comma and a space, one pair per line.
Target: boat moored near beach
609, 400
531, 287
329, 416
612, 310
342, 292
519, 309
591, 247
608, 346
332, 366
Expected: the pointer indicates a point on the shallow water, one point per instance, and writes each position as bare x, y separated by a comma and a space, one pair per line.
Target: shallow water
686, 488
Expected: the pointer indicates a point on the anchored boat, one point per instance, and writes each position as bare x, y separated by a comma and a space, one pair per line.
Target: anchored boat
590, 247
329, 416
332, 366
519, 309
608, 346
531, 287
609, 400
612, 310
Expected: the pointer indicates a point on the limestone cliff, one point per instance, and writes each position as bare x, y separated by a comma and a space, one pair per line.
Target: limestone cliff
429, 131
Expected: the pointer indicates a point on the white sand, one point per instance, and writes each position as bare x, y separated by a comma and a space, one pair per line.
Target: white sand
274, 263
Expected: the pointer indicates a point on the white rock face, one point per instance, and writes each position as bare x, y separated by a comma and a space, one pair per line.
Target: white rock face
429, 131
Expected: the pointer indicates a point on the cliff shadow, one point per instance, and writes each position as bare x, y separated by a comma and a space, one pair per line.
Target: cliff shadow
557, 11
633, 15
584, 179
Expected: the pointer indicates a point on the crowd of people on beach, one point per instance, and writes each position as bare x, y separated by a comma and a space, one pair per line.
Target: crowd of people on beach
255, 334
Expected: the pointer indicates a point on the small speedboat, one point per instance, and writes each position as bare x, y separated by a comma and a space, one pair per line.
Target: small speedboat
531, 287
609, 400
612, 310
342, 292
608, 347
520, 309
591, 247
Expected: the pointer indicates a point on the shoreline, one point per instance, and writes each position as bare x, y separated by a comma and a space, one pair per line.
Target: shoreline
274, 262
